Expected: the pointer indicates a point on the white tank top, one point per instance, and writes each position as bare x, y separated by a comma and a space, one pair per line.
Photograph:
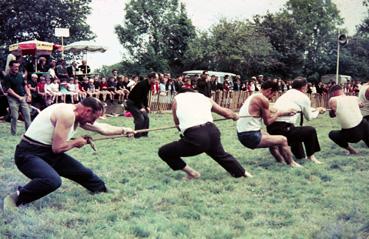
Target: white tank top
42, 129
348, 112
248, 123
193, 109
365, 109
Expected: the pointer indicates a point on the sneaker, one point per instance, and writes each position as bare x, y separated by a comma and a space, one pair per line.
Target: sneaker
10, 202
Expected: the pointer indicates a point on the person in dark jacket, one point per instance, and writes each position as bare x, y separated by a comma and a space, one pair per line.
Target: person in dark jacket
137, 103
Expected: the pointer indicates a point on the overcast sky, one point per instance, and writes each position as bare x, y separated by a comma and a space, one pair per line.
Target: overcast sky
106, 14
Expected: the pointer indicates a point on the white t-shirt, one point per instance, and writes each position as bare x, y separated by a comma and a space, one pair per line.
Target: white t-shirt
193, 109
295, 99
347, 111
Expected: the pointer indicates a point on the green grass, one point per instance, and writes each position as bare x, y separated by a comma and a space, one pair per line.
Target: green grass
318, 201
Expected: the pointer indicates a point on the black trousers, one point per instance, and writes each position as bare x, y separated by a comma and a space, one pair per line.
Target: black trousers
45, 168
297, 136
353, 135
197, 140
141, 119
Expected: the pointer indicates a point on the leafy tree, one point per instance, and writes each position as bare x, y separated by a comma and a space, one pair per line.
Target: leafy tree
156, 33
22, 20
286, 42
35, 19
233, 46
317, 22
239, 47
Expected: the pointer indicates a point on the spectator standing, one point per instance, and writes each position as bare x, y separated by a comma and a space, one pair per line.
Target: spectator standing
138, 103
18, 96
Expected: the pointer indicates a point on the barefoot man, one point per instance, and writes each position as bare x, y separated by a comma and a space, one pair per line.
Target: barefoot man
253, 111
192, 115
297, 99
347, 111
41, 156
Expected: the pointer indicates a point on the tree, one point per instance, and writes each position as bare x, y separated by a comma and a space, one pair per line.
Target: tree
287, 44
156, 33
232, 46
22, 20
318, 22
34, 19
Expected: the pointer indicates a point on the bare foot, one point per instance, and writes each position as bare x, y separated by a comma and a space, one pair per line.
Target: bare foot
294, 164
313, 159
248, 175
351, 150
191, 173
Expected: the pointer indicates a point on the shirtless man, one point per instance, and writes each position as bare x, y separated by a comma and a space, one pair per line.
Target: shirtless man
253, 112
41, 156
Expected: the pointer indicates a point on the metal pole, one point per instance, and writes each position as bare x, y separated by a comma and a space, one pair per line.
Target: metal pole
62, 42
338, 61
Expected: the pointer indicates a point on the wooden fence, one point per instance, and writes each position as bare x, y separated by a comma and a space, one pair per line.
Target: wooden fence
231, 99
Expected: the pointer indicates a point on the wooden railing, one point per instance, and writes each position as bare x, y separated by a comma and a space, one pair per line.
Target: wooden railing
231, 99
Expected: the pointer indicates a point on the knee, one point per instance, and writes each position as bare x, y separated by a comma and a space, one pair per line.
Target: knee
52, 183
163, 152
311, 130
284, 141
332, 135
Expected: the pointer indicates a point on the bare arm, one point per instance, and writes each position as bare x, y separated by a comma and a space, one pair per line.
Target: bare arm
332, 103
267, 116
11, 92
174, 113
227, 113
63, 121
107, 129
367, 94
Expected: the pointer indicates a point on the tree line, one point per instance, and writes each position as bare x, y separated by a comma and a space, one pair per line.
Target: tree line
299, 39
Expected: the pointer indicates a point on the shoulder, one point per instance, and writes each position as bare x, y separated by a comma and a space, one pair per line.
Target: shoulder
63, 113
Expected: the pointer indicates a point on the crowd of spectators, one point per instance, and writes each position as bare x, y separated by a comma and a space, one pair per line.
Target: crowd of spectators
51, 81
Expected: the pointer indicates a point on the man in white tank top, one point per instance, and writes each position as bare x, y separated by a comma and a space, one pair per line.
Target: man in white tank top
41, 153
364, 99
253, 111
347, 111
192, 116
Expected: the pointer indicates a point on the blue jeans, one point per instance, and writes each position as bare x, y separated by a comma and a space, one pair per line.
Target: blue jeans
45, 168
14, 106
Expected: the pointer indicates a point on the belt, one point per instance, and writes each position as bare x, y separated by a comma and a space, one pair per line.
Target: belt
34, 142
198, 126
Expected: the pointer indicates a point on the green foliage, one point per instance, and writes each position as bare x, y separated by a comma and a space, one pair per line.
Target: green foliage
22, 20
317, 201
233, 46
156, 33
35, 19
286, 41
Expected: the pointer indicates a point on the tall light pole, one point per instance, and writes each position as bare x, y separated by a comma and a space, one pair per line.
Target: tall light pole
341, 41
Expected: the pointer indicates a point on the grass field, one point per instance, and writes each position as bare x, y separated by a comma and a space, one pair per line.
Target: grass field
318, 201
